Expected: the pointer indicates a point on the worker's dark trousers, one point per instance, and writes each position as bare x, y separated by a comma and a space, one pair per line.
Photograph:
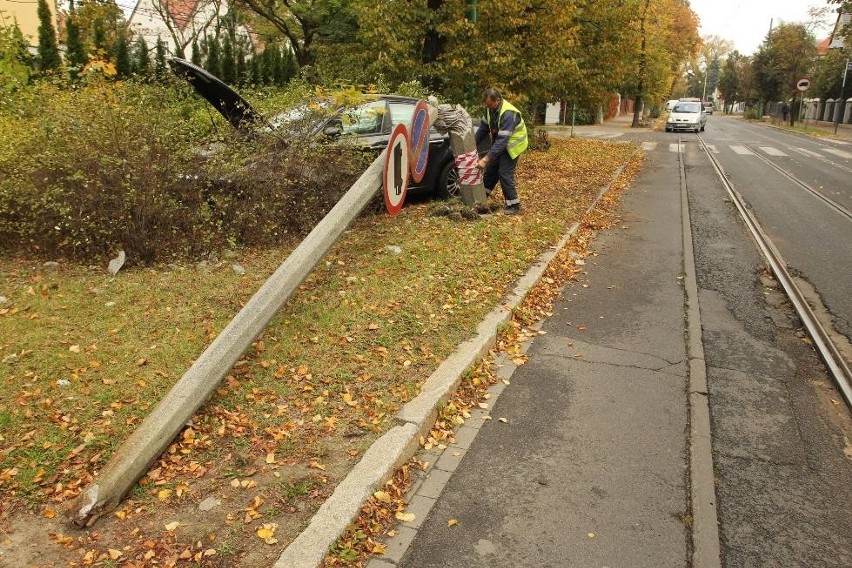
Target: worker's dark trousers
502, 169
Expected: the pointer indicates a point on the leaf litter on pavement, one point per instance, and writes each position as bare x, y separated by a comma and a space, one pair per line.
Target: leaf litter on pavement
84, 356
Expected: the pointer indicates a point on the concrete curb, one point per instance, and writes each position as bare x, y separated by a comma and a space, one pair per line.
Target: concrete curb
418, 416
706, 552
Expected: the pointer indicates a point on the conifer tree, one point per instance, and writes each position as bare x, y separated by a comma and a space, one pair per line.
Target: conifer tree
142, 59
255, 69
15, 59
99, 38
242, 68
196, 53
75, 51
123, 65
291, 69
48, 47
229, 64
213, 63
160, 60
279, 71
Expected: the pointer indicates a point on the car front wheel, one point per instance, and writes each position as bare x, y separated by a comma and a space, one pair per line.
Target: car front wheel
447, 186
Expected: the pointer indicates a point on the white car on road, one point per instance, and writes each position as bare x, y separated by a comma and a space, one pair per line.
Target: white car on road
687, 115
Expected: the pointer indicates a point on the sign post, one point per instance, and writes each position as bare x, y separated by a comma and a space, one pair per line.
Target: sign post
802, 85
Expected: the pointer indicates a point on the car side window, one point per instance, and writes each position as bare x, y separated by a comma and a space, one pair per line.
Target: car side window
365, 119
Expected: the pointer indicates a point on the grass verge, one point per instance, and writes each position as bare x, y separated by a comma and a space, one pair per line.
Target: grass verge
84, 356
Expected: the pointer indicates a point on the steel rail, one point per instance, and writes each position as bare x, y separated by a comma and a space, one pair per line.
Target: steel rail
820, 158
814, 156
827, 200
837, 366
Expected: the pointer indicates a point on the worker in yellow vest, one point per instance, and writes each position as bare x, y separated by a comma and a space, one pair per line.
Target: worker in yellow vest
505, 126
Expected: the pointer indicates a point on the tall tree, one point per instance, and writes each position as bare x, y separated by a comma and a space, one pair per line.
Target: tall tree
15, 60
196, 53
75, 50
160, 66
142, 58
785, 56
48, 46
733, 84
121, 55
302, 22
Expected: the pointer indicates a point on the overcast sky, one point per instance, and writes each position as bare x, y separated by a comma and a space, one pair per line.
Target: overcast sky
746, 22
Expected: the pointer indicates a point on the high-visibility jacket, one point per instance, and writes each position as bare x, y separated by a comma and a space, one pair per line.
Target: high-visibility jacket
507, 130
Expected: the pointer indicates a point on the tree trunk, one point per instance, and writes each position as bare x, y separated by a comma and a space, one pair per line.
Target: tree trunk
643, 65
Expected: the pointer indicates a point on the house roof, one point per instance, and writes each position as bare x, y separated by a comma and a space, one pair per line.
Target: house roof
182, 11
844, 19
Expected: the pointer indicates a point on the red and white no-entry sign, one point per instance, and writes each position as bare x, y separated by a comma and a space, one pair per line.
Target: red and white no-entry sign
395, 176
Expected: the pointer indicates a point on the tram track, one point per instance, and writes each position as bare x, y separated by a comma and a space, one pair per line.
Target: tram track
827, 349
789, 175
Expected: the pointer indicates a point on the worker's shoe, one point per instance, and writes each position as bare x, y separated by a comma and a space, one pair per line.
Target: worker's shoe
512, 209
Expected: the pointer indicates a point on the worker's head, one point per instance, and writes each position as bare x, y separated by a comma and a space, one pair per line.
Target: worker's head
491, 97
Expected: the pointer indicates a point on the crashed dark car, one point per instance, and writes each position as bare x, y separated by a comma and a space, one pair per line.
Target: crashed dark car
368, 124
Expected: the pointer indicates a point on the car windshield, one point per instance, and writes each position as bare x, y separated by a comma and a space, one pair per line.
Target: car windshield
687, 107
364, 119
401, 113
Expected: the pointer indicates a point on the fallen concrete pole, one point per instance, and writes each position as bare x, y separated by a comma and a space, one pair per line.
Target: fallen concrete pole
456, 121
136, 455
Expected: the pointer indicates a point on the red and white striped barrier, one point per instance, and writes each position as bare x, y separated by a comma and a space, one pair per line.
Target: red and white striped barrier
469, 174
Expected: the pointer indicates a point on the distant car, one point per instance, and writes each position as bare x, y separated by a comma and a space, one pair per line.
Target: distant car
686, 115
369, 124
708, 107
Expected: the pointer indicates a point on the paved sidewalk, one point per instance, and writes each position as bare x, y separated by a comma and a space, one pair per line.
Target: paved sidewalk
586, 458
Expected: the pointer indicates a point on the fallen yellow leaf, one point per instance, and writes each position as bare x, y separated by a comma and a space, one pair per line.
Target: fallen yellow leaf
378, 548
114, 554
382, 496
267, 533
164, 494
49, 513
172, 526
270, 457
452, 522
405, 517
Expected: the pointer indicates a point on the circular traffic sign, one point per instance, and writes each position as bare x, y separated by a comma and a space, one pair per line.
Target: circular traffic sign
395, 176
419, 141
803, 84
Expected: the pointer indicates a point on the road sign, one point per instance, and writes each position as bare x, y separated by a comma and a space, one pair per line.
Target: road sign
419, 133
395, 176
803, 84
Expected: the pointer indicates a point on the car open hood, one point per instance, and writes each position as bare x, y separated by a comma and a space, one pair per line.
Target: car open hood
228, 102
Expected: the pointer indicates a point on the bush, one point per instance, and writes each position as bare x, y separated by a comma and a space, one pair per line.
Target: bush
86, 172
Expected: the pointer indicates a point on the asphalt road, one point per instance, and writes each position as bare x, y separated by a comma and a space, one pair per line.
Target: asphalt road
814, 239
591, 465
781, 446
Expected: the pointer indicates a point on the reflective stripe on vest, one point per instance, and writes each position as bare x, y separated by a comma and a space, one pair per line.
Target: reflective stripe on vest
518, 141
